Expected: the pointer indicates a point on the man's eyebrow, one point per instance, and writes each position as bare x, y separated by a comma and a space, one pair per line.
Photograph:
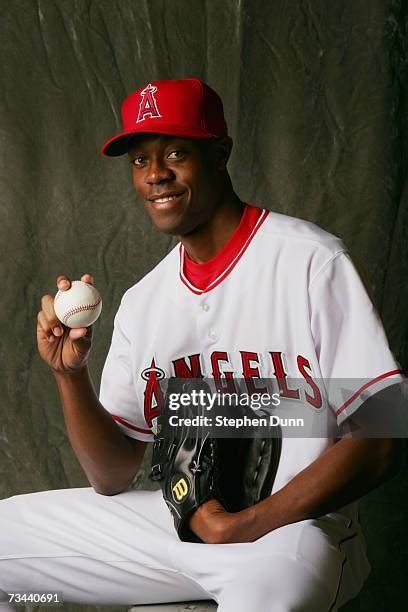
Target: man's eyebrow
176, 142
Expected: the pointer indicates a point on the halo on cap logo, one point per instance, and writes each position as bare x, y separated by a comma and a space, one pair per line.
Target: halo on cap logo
148, 104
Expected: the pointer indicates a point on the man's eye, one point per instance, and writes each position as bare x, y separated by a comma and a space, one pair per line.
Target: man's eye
175, 155
138, 161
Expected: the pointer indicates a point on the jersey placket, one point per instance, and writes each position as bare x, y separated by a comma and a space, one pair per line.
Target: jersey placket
207, 330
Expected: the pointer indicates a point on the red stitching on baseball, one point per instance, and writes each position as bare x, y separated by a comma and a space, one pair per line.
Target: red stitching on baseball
80, 309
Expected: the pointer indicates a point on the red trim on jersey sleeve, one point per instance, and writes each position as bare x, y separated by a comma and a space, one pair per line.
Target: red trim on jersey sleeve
139, 429
364, 387
202, 277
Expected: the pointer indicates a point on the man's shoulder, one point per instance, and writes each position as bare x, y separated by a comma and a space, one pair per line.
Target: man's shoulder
295, 232
162, 272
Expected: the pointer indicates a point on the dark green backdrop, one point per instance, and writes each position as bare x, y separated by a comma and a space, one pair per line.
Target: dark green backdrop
315, 97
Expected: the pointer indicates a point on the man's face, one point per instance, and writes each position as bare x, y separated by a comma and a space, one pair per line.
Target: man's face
177, 179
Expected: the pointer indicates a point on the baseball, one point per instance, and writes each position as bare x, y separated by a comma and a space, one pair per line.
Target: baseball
79, 306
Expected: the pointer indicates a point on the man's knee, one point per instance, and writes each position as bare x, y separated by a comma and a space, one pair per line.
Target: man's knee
261, 601
252, 598
272, 589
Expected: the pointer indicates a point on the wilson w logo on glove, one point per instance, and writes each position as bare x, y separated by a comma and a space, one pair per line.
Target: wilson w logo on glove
180, 490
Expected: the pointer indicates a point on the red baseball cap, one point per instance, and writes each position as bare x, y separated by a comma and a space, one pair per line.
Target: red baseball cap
180, 107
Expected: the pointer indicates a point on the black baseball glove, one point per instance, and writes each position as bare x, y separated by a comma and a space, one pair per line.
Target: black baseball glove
192, 466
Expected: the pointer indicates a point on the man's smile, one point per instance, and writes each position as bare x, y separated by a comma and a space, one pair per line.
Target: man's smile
165, 196
165, 201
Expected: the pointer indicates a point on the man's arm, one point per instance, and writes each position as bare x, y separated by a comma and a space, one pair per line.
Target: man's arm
345, 472
109, 458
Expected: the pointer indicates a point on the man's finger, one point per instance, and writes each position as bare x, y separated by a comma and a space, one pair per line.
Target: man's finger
44, 327
63, 283
87, 278
78, 332
47, 307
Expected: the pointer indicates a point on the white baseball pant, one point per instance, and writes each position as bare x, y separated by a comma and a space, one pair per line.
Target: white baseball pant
124, 550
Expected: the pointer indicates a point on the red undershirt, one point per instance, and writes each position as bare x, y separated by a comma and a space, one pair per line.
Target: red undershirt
202, 274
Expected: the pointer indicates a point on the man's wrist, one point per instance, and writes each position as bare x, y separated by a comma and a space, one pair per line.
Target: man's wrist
77, 374
258, 520
243, 526
74, 372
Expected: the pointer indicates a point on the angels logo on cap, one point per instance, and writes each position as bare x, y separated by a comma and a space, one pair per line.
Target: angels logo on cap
148, 105
187, 108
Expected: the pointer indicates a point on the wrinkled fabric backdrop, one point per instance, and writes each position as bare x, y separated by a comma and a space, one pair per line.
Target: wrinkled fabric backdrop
315, 97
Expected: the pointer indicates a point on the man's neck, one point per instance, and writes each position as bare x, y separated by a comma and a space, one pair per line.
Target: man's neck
207, 242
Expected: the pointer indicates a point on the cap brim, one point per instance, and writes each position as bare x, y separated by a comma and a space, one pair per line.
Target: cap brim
118, 145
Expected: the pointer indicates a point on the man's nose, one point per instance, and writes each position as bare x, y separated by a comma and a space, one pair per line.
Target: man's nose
158, 172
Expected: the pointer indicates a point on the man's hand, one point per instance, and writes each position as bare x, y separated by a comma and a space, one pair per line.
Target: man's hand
214, 525
62, 348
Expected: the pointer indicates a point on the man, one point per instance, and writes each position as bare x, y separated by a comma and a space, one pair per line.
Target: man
245, 293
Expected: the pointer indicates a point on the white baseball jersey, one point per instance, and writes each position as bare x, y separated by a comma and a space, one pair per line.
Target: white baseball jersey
281, 301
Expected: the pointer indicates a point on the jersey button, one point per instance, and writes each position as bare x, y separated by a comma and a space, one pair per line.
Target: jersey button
205, 307
212, 334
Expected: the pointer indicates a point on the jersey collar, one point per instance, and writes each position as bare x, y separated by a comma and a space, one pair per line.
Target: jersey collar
203, 277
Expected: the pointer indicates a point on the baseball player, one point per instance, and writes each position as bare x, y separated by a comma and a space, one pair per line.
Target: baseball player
247, 294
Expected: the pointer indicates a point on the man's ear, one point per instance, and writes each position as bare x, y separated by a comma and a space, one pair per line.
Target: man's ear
223, 147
